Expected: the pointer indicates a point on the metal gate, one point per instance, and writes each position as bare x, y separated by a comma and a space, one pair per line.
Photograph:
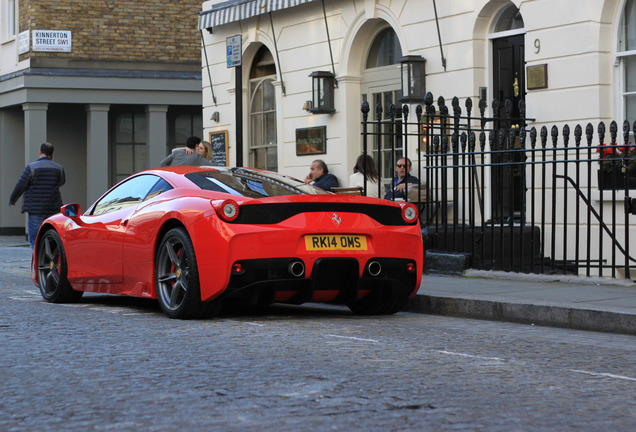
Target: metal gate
514, 198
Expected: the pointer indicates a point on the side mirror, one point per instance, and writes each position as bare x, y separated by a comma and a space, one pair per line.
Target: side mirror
71, 210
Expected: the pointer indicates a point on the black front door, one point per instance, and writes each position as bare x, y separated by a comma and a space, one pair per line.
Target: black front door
508, 180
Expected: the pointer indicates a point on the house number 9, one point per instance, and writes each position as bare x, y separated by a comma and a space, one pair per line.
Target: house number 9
537, 45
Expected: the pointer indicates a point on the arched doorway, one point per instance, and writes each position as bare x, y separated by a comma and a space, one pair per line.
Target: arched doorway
263, 144
381, 85
508, 45
508, 82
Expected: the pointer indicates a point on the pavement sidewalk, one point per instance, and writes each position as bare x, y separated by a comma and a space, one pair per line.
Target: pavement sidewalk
13, 241
595, 304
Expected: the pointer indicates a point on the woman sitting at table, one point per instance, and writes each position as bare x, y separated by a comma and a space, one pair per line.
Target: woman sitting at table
365, 168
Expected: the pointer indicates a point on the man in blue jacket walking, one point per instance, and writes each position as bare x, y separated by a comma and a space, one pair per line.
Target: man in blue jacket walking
40, 183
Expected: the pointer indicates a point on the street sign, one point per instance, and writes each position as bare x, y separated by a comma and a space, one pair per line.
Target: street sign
233, 50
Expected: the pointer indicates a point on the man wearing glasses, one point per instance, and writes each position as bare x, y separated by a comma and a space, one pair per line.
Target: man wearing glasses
397, 190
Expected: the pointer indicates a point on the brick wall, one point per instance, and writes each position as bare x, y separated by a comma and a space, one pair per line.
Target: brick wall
163, 31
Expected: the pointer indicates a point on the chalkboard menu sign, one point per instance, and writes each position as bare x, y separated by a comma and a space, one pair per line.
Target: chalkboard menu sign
218, 142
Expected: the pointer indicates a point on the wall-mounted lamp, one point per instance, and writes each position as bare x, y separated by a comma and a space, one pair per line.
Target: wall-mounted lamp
215, 116
307, 106
413, 79
322, 84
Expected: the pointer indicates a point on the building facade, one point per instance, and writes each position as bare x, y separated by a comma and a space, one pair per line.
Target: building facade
483, 48
113, 85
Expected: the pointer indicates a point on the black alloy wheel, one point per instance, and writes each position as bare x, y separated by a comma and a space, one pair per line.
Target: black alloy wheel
52, 270
177, 278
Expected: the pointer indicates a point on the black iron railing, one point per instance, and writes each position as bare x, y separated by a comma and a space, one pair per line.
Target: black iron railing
512, 198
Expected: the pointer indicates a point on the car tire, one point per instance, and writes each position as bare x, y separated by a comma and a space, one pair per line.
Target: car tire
177, 277
52, 271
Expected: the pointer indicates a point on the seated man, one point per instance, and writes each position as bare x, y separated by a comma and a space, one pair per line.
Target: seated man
398, 187
319, 174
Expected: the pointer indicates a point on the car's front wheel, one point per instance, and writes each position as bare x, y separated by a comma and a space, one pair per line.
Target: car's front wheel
52, 270
177, 278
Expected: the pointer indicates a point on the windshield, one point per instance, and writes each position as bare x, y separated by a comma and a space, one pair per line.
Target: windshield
251, 183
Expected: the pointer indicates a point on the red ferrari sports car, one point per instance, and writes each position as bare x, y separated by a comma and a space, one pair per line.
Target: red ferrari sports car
193, 237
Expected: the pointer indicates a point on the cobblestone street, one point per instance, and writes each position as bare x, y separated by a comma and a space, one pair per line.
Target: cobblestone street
112, 363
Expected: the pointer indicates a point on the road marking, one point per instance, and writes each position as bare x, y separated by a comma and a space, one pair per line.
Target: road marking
23, 298
245, 322
604, 375
471, 356
353, 338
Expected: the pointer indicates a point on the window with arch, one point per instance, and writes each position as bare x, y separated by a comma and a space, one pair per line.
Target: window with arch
626, 52
509, 19
381, 85
263, 145
385, 49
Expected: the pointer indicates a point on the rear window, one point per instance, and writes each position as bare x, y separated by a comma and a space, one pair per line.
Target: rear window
250, 183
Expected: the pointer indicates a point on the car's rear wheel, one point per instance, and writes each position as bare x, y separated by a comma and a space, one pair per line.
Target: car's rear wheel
52, 270
177, 278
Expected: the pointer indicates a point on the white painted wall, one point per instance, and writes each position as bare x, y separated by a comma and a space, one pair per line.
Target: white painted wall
575, 36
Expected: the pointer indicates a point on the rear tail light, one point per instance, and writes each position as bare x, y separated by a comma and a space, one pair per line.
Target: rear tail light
228, 209
409, 212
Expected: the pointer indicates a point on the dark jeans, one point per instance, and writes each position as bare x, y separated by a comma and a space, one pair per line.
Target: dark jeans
35, 220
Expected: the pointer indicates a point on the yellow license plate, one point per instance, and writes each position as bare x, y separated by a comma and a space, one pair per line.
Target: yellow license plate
335, 242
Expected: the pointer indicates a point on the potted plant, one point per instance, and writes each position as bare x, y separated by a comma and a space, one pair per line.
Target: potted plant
615, 161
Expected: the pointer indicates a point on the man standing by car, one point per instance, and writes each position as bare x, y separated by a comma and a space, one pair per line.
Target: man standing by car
40, 183
319, 174
182, 157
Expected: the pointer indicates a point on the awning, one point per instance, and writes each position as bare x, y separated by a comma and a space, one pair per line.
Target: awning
236, 10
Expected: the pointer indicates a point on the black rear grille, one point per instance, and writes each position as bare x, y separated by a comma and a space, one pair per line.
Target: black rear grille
259, 214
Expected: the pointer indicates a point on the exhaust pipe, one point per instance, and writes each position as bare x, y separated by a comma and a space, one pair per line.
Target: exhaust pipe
374, 268
296, 268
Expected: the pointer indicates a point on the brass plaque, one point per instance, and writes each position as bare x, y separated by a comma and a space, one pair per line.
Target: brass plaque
537, 76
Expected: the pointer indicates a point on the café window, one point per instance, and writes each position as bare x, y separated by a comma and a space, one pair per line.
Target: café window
626, 53
381, 85
263, 144
185, 126
130, 145
10, 19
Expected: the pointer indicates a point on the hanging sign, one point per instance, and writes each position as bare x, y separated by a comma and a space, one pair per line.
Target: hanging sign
233, 50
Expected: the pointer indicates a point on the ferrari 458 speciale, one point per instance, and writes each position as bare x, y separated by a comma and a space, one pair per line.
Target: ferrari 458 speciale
195, 237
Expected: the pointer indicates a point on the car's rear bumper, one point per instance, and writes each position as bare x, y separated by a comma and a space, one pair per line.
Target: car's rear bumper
267, 251
335, 280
